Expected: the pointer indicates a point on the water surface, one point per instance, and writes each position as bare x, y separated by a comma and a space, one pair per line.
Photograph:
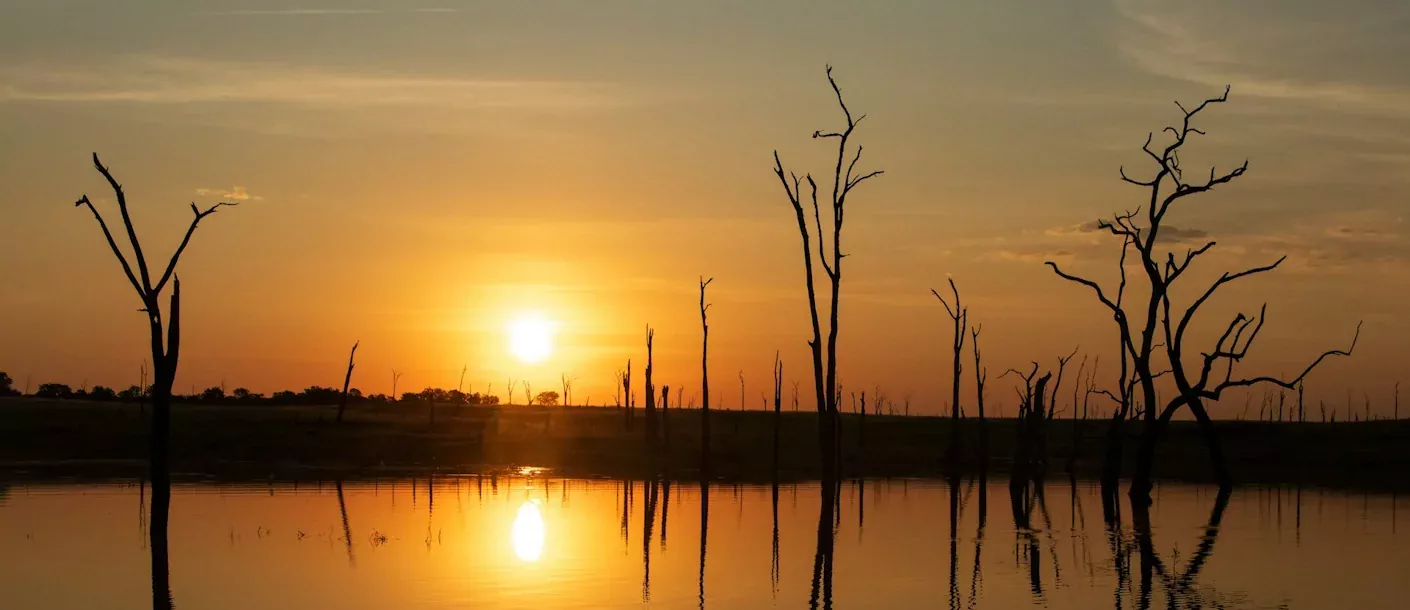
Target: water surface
531, 542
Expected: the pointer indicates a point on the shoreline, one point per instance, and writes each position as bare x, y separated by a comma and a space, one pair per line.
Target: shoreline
76, 440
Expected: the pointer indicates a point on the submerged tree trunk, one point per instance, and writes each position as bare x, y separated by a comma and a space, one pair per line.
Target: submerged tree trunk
705, 393
650, 392
347, 379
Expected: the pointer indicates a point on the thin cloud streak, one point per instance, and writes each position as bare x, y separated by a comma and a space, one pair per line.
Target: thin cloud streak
308, 12
1175, 42
159, 80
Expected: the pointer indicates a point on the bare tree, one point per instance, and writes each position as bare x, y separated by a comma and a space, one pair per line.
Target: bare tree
844, 181
666, 416
650, 391
347, 379
960, 316
1162, 270
627, 394
567, 383
704, 381
741, 390
778, 408
165, 347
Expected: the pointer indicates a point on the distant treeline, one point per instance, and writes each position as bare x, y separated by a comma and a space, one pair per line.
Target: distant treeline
313, 395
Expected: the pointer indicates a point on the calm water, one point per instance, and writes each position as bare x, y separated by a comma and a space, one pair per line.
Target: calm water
527, 542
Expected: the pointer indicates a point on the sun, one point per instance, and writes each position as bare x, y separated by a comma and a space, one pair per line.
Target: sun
531, 338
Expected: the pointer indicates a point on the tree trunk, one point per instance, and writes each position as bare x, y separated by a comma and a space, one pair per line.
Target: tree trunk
347, 379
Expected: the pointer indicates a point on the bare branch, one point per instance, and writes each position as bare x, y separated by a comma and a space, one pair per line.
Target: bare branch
176, 256
126, 221
817, 219
127, 269
1223, 279
1290, 384
1126, 178
1085, 282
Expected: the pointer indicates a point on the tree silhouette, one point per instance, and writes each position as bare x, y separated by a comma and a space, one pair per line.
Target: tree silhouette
347, 379
165, 344
7, 385
960, 316
1161, 271
704, 383
650, 391
981, 376
844, 181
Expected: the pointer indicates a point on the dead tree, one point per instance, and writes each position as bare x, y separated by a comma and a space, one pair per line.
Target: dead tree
650, 430
778, 408
665, 406
960, 316
627, 395
1029, 420
165, 343
704, 379
844, 181
741, 390
981, 376
1301, 413
1162, 270
347, 379
1084, 384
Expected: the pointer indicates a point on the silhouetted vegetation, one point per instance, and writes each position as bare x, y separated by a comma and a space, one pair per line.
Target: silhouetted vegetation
1161, 270
844, 181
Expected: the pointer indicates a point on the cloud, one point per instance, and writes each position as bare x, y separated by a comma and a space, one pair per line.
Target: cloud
1362, 233
1168, 233
1173, 234
309, 12
236, 193
1077, 229
1031, 256
1261, 49
165, 80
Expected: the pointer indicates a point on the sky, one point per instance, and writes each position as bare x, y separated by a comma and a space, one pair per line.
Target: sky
419, 176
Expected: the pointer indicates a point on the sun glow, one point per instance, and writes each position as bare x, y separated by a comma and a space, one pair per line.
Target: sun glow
527, 532
531, 339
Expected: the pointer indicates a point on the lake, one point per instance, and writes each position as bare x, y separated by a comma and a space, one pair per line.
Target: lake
525, 541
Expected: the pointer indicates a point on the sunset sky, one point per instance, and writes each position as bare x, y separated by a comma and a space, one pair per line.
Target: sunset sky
419, 177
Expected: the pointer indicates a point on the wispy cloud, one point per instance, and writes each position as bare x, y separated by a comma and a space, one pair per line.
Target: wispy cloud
1265, 49
164, 80
236, 193
314, 12
1168, 233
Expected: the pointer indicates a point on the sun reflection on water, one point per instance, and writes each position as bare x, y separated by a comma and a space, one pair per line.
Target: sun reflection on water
527, 532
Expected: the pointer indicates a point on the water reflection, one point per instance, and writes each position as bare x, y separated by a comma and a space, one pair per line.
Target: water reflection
66, 546
527, 533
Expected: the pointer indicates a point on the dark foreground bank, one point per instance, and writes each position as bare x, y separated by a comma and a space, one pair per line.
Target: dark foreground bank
41, 438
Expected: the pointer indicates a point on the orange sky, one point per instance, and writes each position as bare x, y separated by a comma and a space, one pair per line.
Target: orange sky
418, 179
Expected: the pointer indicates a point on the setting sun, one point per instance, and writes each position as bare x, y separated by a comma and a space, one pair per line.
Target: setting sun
531, 339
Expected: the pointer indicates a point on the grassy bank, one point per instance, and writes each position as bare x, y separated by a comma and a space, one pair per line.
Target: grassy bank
42, 438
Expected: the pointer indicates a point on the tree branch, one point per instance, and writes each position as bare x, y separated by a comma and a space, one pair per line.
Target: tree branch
176, 256
127, 269
126, 221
